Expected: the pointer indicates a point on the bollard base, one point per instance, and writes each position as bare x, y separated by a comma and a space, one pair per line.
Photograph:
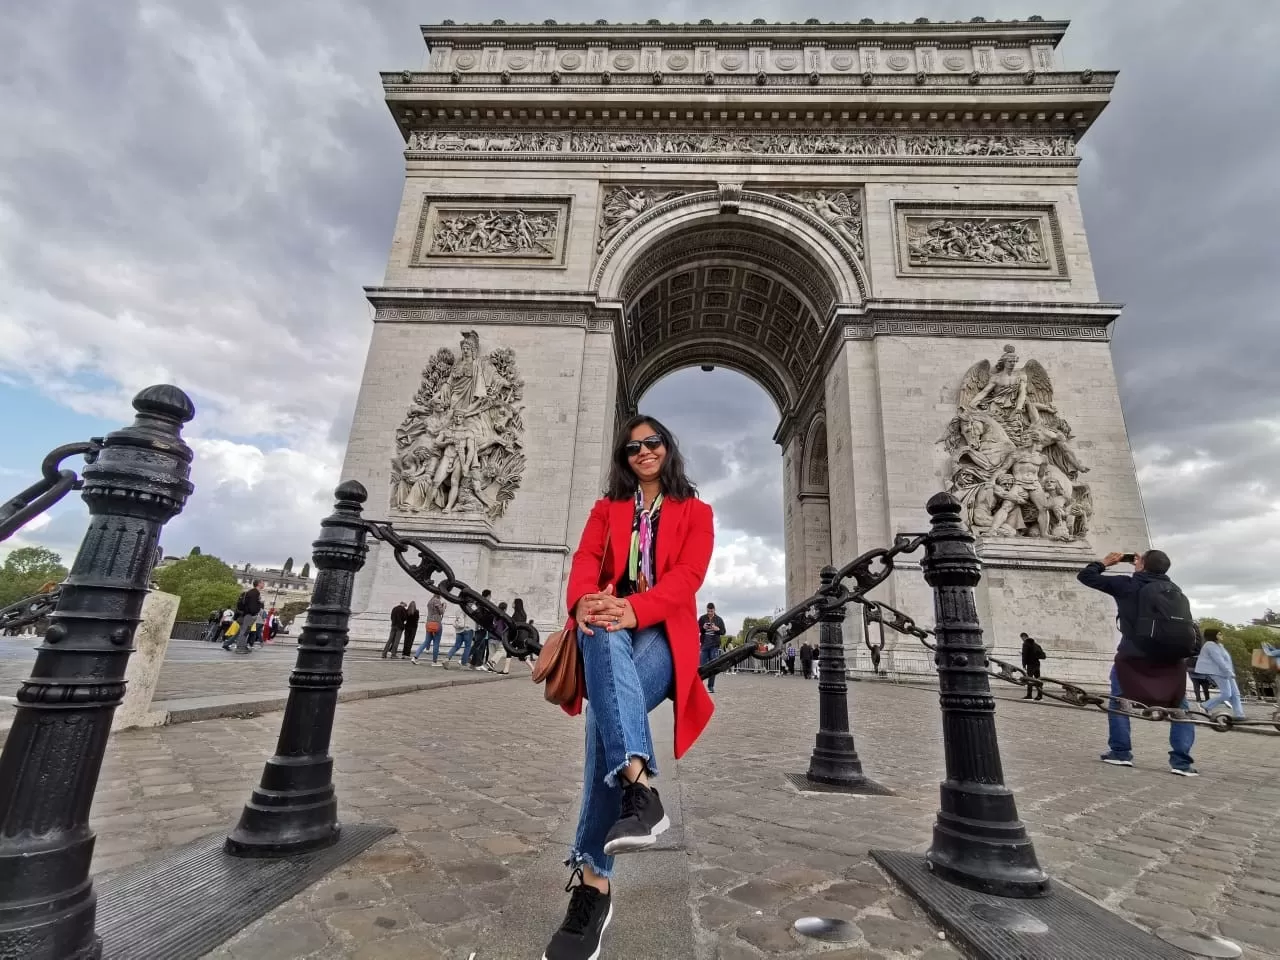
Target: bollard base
183, 905
1062, 924
806, 783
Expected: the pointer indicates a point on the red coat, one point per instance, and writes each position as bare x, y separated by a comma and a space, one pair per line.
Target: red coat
685, 540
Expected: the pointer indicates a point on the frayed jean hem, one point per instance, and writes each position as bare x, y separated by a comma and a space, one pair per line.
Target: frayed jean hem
577, 859
650, 769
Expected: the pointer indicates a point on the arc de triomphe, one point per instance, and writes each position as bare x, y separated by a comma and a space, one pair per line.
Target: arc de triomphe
878, 223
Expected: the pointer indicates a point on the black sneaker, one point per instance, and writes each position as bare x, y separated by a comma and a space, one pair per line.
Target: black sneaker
584, 924
642, 821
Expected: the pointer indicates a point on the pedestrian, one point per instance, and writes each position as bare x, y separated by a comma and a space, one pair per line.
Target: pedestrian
791, 659
1157, 634
248, 606
632, 590
228, 618
499, 662
411, 618
480, 642
258, 632
806, 660
1032, 654
435, 627
710, 635
214, 628
398, 614
1215, 663
462, 634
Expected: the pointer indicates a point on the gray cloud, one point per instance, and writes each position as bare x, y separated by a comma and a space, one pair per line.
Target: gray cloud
197, 192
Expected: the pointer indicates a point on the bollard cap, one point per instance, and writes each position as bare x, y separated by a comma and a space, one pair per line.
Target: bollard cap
351, 490
167, 401
941, 503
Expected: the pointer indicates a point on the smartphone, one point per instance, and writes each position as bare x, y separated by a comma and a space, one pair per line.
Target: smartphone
1129, 558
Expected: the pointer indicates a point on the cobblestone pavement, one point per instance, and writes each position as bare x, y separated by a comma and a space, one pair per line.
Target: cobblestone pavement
477, 780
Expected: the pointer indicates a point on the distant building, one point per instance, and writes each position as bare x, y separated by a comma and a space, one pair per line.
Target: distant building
279, 586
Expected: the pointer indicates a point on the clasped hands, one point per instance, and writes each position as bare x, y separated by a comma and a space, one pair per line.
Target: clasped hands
604, 610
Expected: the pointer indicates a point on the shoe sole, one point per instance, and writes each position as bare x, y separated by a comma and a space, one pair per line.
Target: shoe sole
1119, 763
600, 946
1183, 773
632, 844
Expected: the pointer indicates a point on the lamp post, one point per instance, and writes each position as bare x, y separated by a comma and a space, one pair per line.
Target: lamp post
53, 755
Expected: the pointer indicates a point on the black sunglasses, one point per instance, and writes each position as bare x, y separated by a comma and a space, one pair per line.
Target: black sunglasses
651, 443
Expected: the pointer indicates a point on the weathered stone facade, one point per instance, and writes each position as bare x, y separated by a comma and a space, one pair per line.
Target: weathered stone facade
853, 215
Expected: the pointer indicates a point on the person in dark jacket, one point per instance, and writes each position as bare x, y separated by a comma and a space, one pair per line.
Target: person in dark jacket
1133, 675
248, 606
806, 660
398, 614
1032, 654
411, 617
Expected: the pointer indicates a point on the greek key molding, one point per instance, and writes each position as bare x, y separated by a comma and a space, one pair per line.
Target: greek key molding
975, 328
486, 313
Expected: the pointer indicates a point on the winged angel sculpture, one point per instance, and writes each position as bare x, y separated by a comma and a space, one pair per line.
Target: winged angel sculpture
622, 205
840, 211
459, 448
1012, 465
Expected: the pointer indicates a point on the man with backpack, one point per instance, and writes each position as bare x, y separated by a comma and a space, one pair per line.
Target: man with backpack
1032, 654
248, 606
1157, 635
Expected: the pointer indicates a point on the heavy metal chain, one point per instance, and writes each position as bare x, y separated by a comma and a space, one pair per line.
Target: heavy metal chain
55, 483
28, 611
867, 571
886, 616
431, 572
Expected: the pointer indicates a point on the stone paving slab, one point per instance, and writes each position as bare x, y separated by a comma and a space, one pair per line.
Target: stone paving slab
481, 782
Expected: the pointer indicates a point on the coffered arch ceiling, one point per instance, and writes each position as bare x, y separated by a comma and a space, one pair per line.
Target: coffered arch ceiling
725, 293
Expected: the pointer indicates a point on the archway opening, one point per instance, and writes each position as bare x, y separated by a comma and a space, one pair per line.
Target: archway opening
723, 421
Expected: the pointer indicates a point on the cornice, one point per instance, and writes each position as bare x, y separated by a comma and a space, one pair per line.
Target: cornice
759, 32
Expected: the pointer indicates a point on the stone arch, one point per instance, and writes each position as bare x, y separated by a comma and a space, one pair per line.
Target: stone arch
814, 469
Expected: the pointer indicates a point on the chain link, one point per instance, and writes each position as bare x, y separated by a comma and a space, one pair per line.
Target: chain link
1068, 693
28, 611
435, 576
55, 483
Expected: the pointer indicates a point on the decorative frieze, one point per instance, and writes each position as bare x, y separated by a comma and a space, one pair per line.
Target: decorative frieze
975, 328
955, 240
688, 142
496, 231
459, 450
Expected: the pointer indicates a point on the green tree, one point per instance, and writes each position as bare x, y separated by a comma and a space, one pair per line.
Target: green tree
204, 583
195, 552
748, 624
290, 611
27, 570
306, 571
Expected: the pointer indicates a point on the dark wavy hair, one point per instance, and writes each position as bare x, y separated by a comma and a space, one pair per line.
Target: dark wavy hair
622, 481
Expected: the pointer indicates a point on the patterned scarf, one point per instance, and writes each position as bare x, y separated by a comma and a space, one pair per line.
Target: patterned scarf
640, 561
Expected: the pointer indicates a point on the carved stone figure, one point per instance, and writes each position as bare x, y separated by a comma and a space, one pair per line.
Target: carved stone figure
840, 211
459, 448
494, 233
623, 204
980, 240
769, 144
1012, 465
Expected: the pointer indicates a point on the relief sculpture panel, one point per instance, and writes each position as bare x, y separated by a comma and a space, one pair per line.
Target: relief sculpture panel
955, 240
478, 233
460, 450
1012, 465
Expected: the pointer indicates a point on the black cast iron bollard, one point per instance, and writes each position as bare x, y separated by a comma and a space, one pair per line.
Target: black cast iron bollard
835, 760
53, 755
294, 809
978, 840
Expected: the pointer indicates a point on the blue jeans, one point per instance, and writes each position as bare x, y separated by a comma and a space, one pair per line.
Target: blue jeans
433, 638
461, 639
627, 674
1181, 735
709, 653
1228, 692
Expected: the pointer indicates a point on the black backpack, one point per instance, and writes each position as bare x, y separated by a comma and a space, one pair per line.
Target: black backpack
1163, 628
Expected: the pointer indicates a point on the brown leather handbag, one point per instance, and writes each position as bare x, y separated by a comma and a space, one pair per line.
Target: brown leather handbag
559, 665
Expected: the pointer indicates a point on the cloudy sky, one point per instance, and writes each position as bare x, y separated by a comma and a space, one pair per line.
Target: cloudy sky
196, 192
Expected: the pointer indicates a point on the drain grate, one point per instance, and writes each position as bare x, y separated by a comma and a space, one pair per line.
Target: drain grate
182, 905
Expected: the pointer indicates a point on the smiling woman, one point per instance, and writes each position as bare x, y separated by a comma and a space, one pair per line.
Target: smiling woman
632, 592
